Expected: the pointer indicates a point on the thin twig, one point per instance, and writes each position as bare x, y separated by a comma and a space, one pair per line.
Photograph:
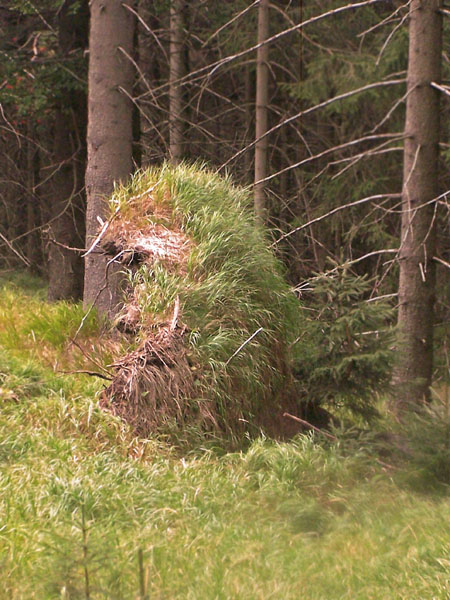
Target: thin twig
302, 113
85, 372
332, 212
88, 356
103, 230
16, 252
310, 425
240, 14
215, 65
243, 345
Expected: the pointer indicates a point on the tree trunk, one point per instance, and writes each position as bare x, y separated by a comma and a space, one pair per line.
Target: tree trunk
65, 266
109, 137
176, 73
262, 100
412, 377
249, 89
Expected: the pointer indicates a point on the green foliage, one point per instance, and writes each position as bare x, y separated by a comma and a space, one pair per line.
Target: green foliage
344, 354
36, 77
45, 326
426, 434
284, 519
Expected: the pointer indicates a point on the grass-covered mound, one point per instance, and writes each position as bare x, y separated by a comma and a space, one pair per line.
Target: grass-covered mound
209, 315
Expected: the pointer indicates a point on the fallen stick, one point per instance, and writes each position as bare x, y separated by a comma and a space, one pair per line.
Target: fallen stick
310, 425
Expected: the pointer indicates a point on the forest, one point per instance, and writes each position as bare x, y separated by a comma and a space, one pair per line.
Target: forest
225, 299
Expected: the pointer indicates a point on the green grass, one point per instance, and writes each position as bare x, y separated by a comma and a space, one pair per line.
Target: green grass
82, 499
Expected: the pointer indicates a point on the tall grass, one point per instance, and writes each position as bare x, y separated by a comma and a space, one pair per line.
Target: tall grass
89, 511
281, 520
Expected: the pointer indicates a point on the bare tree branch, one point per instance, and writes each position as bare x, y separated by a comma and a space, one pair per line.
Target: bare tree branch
392, 136
223, 61
332, 212
16, 252
443, 262
235, 18
445, 89
314, 108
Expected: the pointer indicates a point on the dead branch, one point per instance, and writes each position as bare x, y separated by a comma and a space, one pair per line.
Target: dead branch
332, 212
53, 241
347, 263
217, 64
442, 261
391, 136
302, 113
16, 252
445, 89
147, 28
243, 345
103, 230
310, 426
85, 372
390, 36
384, 21
232, 20
89, 357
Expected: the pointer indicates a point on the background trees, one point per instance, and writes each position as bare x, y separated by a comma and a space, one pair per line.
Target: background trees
191, 72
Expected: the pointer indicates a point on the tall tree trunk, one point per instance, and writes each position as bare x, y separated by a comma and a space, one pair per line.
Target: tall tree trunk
176, 73
249, 89
262, 101
109, 137
150, 113
65, 266
413, 372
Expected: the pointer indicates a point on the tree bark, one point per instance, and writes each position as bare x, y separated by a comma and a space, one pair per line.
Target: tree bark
176, 73
412, 376
262, 101
109, 137
65, 266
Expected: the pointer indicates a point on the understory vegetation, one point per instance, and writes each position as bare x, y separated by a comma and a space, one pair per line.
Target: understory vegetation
90, 510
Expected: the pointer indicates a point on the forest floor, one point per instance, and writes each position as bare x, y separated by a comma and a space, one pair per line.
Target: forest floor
87, 510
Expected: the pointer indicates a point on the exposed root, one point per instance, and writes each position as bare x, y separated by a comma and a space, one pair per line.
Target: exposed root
155, 385
152, 243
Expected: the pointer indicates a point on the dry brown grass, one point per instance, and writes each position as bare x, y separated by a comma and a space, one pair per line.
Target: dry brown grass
155, 385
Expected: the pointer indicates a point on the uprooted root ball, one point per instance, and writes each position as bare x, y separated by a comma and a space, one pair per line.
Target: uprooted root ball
210, 316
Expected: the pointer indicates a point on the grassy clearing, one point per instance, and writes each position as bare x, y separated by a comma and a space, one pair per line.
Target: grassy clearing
84, 503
